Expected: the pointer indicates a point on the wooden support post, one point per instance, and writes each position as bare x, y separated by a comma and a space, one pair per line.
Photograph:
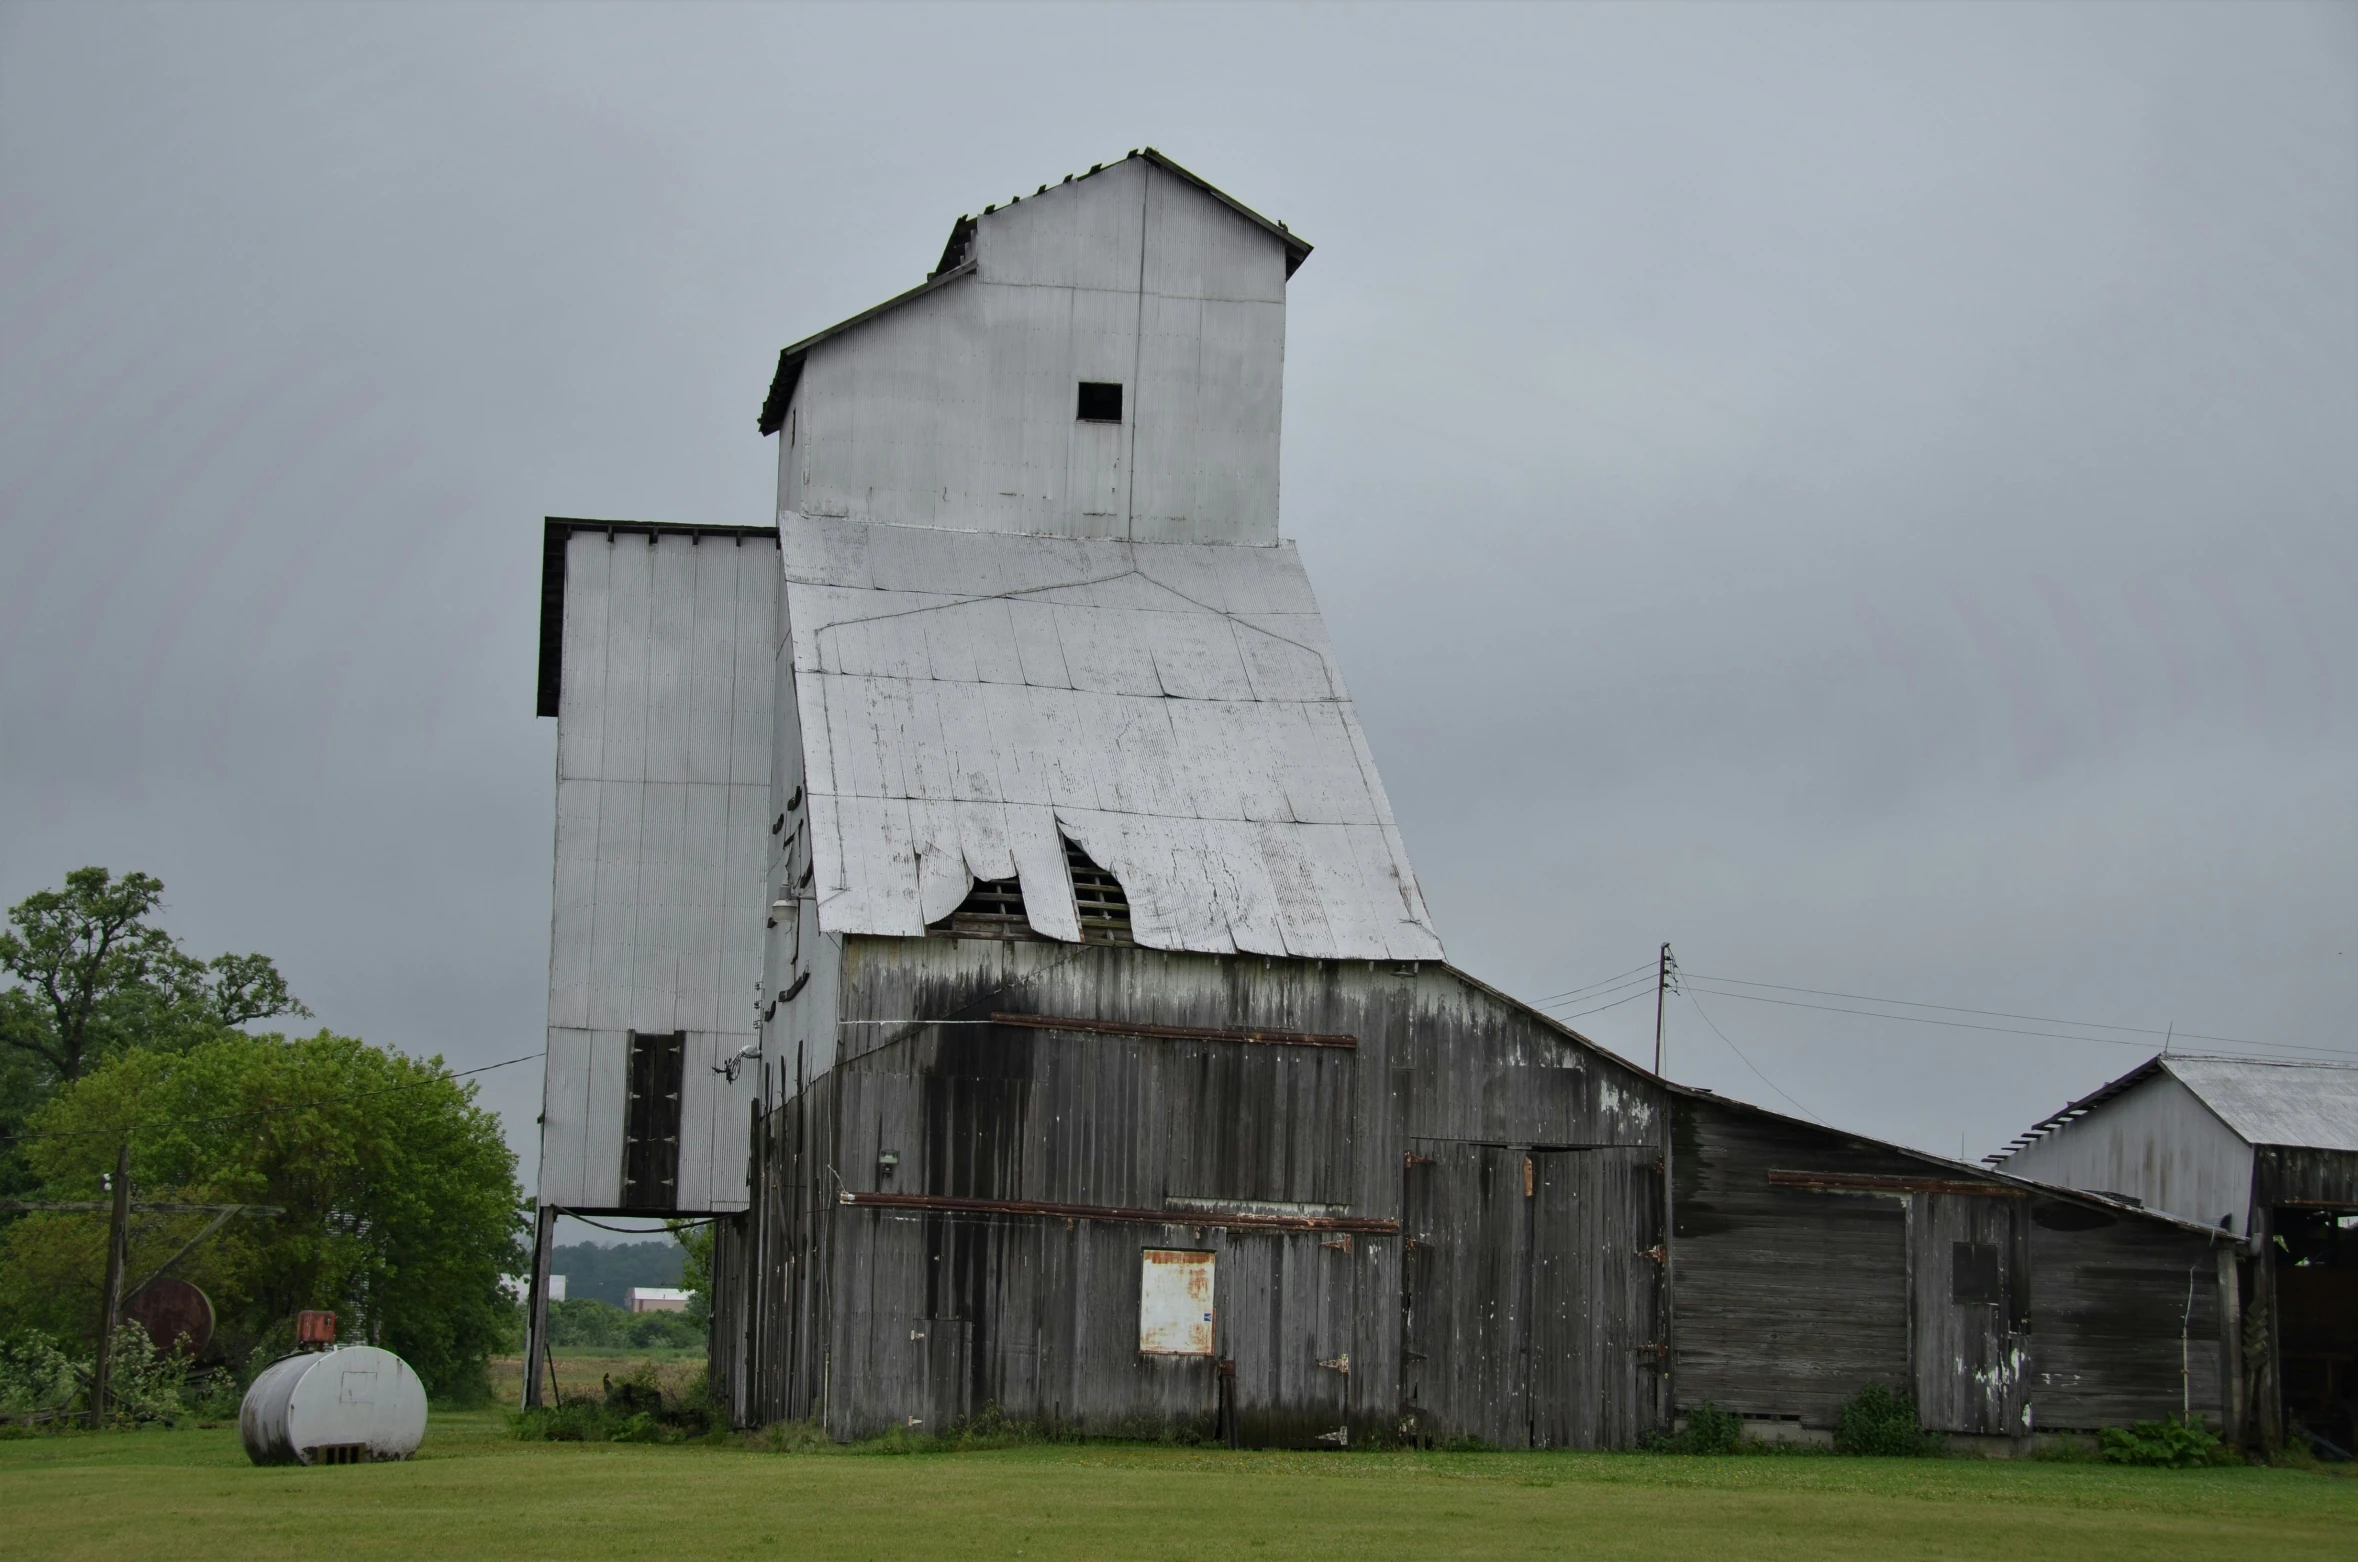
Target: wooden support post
536, 1307
118, 1257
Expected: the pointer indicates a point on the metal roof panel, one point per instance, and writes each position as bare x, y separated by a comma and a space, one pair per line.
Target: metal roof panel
971, 697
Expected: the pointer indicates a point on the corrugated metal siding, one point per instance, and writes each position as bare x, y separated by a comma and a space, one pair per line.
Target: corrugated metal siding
956, 408
2304, 1105
2156, 1142
969, 700
663, 760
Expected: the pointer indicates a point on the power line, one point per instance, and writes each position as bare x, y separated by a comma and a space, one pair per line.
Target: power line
1644, 982
2003, 1030
267, 1111
1566, 1019
1748, 1063
1610, 981
1998, 1014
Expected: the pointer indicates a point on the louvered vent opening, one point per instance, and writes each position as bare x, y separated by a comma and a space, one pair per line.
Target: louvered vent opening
651, 1121
1098, 897
992, 909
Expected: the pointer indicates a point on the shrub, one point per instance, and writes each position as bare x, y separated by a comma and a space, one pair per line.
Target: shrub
1879, 1423
2170, 1443
638, 1409
1709, 1430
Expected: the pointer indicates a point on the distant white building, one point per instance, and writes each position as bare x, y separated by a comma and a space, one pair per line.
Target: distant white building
658, 1299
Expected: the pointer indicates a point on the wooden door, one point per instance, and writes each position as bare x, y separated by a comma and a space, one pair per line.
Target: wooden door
1596, 1336
1465, 1294
1969, 1312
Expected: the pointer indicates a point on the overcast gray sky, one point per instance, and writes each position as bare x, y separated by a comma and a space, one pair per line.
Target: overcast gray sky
1867, 494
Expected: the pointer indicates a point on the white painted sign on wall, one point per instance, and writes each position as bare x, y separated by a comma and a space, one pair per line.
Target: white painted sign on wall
1174, 1303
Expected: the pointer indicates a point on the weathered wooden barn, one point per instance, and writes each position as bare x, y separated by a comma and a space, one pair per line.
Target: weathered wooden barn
977, 894
2267, 1150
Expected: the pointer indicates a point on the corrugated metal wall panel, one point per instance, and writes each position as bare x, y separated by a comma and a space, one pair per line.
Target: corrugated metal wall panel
664, 718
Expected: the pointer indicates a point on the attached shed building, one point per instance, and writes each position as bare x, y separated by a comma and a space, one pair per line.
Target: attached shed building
2264, 1150
977, 893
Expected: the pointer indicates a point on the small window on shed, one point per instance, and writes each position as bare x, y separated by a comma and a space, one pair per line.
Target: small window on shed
992, 909
651, 1121
1097, 896
1100, 402
1174, 1303
1974, 1275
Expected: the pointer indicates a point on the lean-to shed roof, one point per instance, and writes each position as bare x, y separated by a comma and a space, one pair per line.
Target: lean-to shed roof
968, 699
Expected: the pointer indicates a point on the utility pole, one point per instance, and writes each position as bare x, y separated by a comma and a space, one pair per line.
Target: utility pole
118, 1256
1665, 974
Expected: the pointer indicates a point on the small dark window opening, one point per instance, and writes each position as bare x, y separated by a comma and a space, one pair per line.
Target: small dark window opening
651, 1121
1975, 1276
992, 909
1100, 403
1098, 897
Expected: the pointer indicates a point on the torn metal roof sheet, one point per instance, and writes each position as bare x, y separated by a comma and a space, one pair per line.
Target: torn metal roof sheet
969, 699
2311, 1106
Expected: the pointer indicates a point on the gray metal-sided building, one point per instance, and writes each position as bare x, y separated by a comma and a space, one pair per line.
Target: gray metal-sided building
977, 893
2266, 1150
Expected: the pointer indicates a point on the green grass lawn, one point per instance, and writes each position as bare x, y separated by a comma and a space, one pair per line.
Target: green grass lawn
472, 1492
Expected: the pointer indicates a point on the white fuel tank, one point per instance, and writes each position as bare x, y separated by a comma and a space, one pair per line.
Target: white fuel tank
350, 1405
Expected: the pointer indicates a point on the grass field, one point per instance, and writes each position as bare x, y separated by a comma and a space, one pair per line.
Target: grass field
473, 1492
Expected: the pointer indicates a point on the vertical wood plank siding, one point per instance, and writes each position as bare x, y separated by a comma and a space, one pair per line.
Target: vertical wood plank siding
2113, 1323
1521, 1299
1790, 1300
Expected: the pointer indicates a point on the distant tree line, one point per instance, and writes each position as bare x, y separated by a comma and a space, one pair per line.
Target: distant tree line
402, 1209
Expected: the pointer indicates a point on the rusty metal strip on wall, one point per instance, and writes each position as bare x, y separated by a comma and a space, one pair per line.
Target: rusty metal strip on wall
1854, 1182
1140, 1217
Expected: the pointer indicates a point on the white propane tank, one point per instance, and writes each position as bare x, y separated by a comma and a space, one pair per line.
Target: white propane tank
349, 1405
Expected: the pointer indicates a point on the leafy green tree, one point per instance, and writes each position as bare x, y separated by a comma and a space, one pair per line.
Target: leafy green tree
402, 1206
93, 976
695, 1238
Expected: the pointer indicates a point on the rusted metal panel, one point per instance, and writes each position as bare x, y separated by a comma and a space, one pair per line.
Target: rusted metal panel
1175, 1314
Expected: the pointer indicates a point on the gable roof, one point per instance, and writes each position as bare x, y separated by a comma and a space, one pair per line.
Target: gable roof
971, 700
958, 261
2306, 1105
2262, 1100
1940, 1173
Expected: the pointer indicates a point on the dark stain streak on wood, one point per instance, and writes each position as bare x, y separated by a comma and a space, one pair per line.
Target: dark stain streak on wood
1275, 1038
